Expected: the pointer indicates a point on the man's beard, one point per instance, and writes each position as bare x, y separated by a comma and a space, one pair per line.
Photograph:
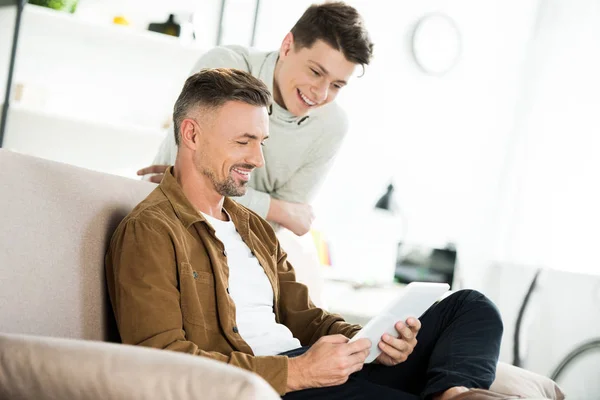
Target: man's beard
227, 187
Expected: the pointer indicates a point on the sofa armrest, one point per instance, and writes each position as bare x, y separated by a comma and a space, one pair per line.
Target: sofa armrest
35, 367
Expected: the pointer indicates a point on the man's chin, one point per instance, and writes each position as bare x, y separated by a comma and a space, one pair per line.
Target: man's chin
238, 191
300, 113
297, 110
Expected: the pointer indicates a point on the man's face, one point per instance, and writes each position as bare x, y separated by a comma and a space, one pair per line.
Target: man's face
310, 77
230, 146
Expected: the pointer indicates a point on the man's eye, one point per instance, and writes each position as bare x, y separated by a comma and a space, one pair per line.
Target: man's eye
243, 143
263, 144
315, 72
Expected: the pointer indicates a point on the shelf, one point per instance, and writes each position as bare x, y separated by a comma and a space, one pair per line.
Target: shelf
95, 94
99, 70
97, 145
136, 130
34, 15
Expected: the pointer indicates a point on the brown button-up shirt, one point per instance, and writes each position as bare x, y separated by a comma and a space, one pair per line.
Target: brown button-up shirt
168, 282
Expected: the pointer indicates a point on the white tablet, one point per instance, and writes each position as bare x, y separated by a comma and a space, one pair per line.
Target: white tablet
412, 301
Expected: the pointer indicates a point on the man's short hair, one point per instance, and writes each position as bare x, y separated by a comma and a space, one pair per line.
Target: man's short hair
337, 24
210, 89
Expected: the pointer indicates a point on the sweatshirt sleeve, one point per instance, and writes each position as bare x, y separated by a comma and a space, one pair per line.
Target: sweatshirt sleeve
257, 201
223, 57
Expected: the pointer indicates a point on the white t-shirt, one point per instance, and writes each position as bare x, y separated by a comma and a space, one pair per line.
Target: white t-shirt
252, 294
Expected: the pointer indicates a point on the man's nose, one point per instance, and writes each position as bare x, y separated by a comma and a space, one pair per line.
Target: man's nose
256, 158
321, 91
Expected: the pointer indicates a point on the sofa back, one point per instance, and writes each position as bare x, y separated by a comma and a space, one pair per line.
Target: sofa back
56, 223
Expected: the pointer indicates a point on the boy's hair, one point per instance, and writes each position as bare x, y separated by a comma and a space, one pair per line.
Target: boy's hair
337, 24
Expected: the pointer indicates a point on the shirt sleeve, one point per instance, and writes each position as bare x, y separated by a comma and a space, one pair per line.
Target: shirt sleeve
142, 281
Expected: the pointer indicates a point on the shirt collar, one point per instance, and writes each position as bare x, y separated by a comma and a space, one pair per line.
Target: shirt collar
187, 213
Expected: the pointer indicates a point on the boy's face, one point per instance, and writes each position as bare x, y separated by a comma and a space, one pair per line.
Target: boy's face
309, 77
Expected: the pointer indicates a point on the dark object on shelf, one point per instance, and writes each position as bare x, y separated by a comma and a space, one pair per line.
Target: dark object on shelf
386, 202
170, 27
417, 264
60, 5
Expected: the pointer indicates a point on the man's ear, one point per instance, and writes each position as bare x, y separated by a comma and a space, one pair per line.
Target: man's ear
188, 134
287, 45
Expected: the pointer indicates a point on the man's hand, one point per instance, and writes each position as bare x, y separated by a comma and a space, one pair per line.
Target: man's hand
396, 350
159, 170
296, 217
328, 362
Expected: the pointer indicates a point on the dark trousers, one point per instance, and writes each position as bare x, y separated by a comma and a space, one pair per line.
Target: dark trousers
458, 345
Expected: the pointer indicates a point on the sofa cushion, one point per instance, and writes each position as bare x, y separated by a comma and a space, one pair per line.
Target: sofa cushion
35, 367
518, 381
57, 220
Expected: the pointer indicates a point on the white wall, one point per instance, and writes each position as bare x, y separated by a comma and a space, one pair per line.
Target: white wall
440, 139
548, 213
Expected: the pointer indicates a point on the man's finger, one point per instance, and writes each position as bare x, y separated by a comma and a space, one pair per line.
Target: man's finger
404, 331
335, 339
399, 344
153, 169
391, 351
414, 324
156, 178
358, 346
358, 358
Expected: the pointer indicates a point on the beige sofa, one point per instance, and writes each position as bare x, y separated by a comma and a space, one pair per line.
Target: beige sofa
54, 312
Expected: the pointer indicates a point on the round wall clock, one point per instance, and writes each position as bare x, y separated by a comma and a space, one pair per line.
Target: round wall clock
436, 43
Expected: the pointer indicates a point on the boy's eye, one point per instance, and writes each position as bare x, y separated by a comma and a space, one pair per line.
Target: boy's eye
243, 143
315, 72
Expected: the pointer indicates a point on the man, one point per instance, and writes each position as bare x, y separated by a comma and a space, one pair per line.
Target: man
190, 270
315, 61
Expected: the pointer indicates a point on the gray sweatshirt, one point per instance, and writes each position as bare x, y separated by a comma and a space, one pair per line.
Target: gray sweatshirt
299, 151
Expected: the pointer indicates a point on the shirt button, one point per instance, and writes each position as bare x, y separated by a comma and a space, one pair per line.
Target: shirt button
235, 329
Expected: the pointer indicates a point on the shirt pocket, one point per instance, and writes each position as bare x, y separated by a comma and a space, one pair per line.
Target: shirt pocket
198, 297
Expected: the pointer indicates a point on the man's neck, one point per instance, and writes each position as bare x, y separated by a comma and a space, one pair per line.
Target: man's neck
198, 189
